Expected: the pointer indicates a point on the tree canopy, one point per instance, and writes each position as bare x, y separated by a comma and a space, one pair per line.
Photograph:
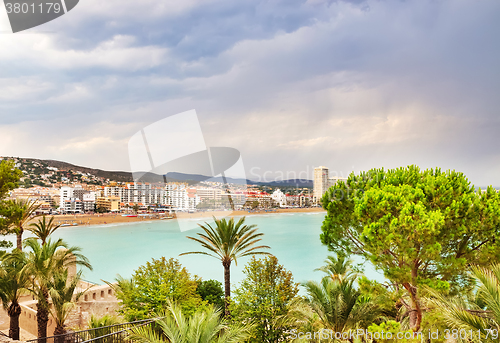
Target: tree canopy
417, 226
9, 177
264, 295
212, 292
153, 285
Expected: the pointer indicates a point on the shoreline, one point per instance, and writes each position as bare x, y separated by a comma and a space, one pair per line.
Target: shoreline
204, 215
108, 218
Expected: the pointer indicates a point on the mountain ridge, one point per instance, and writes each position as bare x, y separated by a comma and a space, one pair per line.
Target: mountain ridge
123, 176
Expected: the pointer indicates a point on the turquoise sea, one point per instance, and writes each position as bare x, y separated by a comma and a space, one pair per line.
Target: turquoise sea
120, 248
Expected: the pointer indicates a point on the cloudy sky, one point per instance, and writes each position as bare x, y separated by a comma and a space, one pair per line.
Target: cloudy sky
292, 84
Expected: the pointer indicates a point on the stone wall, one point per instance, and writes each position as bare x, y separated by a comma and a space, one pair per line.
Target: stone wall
97, 300
27, 319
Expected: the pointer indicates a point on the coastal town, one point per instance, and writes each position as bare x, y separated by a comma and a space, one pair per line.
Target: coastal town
60, 191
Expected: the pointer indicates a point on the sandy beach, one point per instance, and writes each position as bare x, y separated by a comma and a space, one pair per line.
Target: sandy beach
110, 218
98, 219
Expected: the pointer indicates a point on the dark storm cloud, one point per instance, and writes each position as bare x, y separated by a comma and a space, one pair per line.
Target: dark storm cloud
204, 30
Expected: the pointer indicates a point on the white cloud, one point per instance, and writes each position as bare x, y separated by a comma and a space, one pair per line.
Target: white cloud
288, 83
22, 88
118, 53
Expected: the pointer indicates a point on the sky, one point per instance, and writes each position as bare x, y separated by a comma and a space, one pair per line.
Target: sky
292, 84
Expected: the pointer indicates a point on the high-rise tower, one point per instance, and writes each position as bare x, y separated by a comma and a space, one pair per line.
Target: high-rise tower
320, 182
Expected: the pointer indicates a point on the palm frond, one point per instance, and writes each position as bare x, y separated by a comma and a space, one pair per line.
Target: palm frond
202, 327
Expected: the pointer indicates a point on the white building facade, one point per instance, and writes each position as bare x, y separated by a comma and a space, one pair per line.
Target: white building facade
138, 193
180, 197
72, 205
279, 197
320, 182
175, 195
209, 193
88, 202
76, 200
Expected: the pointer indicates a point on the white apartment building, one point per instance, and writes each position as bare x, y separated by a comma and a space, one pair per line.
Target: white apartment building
180, 197
88, 202
279, 197
72, 205
176, 195
137, 193
114, 191
66, 193
209, 193
76, 200
320, 182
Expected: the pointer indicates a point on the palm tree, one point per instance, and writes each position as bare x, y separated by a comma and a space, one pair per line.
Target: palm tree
339, 305
43, 229
99, 322
20, 212
299, 317
102, 327
13, 280
202, 327
338, 268
63, 298
477, 314
43, 263
136, 208
227, 242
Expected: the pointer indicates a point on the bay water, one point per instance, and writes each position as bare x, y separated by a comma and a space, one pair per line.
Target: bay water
121, 248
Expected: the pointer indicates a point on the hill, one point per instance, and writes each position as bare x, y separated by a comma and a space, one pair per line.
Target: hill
35, 168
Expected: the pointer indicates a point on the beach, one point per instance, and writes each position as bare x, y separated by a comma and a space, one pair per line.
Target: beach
111, 218
98, 219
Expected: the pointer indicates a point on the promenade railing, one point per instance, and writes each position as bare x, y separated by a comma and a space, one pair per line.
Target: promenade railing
107, 334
